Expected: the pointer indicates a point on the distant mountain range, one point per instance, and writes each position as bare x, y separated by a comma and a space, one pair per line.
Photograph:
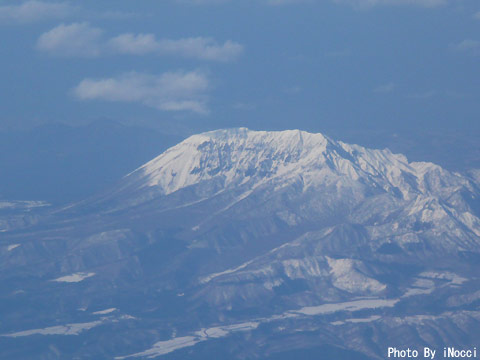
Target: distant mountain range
239, 244
59, 163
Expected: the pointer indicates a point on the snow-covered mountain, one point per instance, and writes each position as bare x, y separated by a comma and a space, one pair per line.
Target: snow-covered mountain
300, 178
282, 241
240, 156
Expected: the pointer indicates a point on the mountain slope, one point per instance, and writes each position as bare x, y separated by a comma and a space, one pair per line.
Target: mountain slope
302, 178
240, 156
251, 244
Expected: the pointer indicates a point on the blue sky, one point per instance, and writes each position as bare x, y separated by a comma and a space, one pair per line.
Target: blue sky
258, 63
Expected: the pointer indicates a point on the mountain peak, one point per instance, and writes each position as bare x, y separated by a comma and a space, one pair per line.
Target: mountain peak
248, 161
281, 138
237, 155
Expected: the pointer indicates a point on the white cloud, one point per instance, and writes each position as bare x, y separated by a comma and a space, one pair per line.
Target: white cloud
201, 2
77, 39
171, 91
355, 3
369, 3
292, 89
202, 48
338, 53
385, 88
197, 47
140, 44
84, 40
116, 15
476, 15
33, 10
468, 45
423, 95
285, 2
244, 106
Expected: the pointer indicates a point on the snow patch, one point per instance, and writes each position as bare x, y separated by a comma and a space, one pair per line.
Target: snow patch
425, 282
168, 346
346, 306
73, 278
302, 268
69, 329
210, 277
346, 277
269, 285
358, 320
103, 312
452, 278
165, 347
13, 246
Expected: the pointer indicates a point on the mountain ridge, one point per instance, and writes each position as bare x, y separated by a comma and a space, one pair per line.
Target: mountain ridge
219, 150
320, 236
249, 161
